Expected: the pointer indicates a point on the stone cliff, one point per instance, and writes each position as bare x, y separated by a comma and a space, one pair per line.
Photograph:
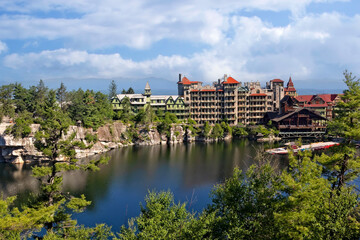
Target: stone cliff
90, 142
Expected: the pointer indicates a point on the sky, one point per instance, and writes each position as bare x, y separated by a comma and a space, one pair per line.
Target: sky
87, 43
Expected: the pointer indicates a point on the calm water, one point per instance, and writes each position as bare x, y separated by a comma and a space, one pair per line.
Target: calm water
189, 170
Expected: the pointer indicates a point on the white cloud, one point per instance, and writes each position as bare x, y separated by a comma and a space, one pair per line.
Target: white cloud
3, 47
310, 46
313, 46
136, 23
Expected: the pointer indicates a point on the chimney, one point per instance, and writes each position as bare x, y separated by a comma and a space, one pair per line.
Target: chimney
180, 77
225, 77
219, 81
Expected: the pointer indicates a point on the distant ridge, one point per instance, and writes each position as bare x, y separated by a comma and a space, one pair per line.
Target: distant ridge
317, 91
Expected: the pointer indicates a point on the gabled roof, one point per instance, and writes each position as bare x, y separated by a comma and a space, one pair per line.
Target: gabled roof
290, 84
130, 96
298, 110
316, 105
290, 89
230, 80
243, 89
304, 98
277, 80
288, 99
327, 97
186, 81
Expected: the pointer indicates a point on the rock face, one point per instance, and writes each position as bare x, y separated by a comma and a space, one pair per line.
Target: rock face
107, 137
177, 134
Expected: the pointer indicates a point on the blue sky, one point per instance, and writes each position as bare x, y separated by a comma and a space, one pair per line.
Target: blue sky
87, 43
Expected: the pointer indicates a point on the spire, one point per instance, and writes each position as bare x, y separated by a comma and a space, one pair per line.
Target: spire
147, 90
290, 83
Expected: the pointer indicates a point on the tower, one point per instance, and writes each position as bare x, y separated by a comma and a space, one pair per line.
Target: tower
290, 89
147, 92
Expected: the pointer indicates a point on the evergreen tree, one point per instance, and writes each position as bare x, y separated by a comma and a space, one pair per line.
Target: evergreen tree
130, 91
61, 95
6, 102
343, 165
112, 90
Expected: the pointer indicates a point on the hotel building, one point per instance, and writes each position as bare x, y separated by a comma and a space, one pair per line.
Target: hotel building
225, 100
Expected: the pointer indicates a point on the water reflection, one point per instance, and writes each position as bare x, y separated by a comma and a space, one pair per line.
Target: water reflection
188, 170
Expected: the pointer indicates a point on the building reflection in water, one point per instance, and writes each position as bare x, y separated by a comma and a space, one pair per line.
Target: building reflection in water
188, 170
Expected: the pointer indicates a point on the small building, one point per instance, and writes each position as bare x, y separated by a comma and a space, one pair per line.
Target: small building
300, 122
324, 104
164, 103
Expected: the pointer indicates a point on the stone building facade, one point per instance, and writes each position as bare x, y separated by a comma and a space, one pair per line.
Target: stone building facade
225, 100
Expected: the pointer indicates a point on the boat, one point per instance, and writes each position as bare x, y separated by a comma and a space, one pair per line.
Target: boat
292, 147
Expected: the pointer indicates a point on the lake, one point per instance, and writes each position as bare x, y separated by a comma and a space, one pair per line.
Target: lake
189, 170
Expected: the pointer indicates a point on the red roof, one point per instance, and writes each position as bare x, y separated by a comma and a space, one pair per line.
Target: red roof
328, 97
316, 105
186, 81
304, 98
277, 80
194, 90
258, 94
290, 84
230, 80
208, 90
290, 89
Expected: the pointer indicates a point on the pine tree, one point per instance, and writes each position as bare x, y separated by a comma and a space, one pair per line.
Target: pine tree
343, 165
112, 89
130, 91
61, 95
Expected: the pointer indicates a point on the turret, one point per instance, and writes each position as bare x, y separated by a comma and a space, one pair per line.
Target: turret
147, 92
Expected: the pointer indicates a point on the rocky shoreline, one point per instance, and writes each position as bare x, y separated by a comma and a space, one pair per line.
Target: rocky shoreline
109, 136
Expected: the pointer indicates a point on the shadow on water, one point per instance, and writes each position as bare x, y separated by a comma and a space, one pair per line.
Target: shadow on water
189, 170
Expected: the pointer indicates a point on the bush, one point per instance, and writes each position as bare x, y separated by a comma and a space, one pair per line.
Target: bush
217, 131
91, 138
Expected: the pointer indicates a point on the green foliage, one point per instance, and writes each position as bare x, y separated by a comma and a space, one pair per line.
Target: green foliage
191, 121
132, 134
244, 206
239, 131
53, 124
170, 118
91, 138
6, 102
112, 89
160, 114
162, 218
343, 165
217, 132
206, 129
21, 128
313, 210
61, 95
78, 204
126, 113
89, 107
15, 222
226, 127
100, 232
129, 91
145, 115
